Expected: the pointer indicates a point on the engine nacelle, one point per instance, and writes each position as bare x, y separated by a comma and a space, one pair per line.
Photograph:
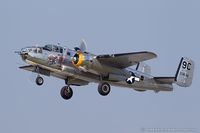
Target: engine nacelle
82, 60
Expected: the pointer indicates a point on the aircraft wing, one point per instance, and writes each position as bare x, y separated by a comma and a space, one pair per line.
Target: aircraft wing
33, 69
61, 75
28, 68
125, 60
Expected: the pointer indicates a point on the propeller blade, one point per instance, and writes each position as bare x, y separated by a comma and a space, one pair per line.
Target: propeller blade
83, 46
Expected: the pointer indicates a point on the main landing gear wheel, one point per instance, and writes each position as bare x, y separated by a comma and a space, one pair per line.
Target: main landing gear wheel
66, 92
104, 89
39, 80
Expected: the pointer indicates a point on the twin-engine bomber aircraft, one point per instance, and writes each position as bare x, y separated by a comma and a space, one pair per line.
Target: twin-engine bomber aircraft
78, 67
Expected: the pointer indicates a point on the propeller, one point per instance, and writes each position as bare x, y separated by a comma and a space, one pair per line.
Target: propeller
79, 57
82, 47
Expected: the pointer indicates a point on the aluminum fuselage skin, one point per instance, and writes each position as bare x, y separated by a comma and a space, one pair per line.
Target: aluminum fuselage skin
60, 65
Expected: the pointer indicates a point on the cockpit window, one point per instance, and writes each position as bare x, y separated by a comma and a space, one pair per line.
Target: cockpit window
53, 48
37, 50
61, 50
48, 47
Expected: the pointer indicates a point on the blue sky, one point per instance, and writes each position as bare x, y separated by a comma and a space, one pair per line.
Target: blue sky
169, 28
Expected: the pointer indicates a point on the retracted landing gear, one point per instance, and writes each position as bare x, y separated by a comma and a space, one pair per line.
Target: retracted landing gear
66, 92
104, 89
39, 80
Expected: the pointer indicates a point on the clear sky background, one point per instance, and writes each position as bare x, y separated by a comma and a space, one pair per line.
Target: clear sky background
170, 28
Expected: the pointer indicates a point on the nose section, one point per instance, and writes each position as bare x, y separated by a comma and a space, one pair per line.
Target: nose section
24, 53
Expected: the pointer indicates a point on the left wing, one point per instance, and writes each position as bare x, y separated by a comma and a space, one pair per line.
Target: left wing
28, 68
61, 75
33, 69
125, 60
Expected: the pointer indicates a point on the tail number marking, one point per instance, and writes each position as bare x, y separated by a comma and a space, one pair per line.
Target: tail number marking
186, 65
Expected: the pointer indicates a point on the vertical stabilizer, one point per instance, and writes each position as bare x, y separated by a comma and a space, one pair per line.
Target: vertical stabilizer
184, 74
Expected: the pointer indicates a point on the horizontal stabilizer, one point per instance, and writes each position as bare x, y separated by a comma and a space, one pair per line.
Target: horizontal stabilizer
184, 74
165, 80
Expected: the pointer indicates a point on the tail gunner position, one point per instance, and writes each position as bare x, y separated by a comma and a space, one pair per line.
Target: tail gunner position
78, 67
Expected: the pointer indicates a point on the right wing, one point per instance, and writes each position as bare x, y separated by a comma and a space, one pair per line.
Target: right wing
125, 60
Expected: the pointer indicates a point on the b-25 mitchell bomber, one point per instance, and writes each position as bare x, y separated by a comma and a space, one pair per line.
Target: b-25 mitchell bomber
78, 67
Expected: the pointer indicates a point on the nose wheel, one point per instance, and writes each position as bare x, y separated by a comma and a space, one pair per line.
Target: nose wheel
66, 92
39, 80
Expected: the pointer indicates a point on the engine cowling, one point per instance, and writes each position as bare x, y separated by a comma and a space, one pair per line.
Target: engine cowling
77, 59
82, 60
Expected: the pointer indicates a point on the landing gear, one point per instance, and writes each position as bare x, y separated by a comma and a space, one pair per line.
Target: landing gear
39, 80
66, 92
104, 89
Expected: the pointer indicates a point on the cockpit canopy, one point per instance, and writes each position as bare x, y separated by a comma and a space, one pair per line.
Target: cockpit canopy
54, 48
